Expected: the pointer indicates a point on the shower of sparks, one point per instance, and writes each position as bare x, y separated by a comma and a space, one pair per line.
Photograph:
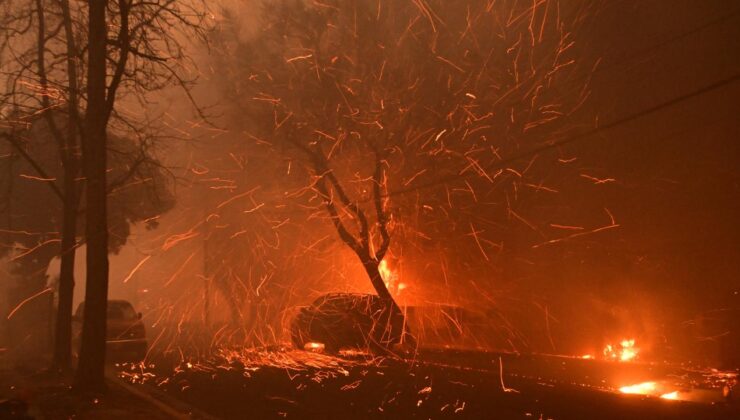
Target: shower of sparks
433, 97
440, 154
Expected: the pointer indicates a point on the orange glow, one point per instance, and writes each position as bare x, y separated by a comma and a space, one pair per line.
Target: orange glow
625, 352
587, 356
645, 388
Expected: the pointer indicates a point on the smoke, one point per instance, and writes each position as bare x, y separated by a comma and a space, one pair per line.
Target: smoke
228, 255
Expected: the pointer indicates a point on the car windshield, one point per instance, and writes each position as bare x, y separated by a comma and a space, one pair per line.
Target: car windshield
121, 311
116, 310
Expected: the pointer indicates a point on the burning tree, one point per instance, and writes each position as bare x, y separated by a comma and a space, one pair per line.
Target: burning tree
385, 105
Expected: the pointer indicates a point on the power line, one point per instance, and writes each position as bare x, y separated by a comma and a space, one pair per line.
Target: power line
568, 140
631, 56
668, 41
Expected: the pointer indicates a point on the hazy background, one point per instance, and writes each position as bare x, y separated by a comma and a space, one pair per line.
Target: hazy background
675, 193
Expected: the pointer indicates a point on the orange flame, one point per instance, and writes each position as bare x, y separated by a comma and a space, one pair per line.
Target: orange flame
625, 352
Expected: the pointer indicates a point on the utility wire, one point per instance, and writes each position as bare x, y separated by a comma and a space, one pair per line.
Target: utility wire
655, 47
568, 140
580, 136
622, 61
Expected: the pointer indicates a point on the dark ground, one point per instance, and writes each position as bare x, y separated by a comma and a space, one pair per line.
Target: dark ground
293, 384
444, 383
48, 396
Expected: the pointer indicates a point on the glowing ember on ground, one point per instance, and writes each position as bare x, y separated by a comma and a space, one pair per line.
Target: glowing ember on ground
626, 351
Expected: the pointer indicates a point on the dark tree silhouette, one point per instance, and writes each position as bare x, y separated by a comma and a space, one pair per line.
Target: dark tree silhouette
33, 61
89, 374
144, 40
138, 190
62, 55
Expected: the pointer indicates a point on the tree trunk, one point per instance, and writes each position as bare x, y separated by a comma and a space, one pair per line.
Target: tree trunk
90, 371
371, 268
393, 322
70, 162
63, 332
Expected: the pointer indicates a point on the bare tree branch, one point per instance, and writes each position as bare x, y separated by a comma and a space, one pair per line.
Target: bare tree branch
120, 66
41, 50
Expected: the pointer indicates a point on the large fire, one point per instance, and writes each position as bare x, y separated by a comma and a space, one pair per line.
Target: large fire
624, 352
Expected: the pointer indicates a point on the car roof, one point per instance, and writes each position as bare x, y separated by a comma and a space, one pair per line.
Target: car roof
119, 302
339, 295
344, 297
112, 302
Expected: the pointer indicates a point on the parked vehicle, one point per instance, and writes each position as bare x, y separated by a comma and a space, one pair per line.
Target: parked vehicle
126, 335
339, 321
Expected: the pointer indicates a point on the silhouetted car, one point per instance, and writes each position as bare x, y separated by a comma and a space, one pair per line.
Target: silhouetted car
348, 320
126, 335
